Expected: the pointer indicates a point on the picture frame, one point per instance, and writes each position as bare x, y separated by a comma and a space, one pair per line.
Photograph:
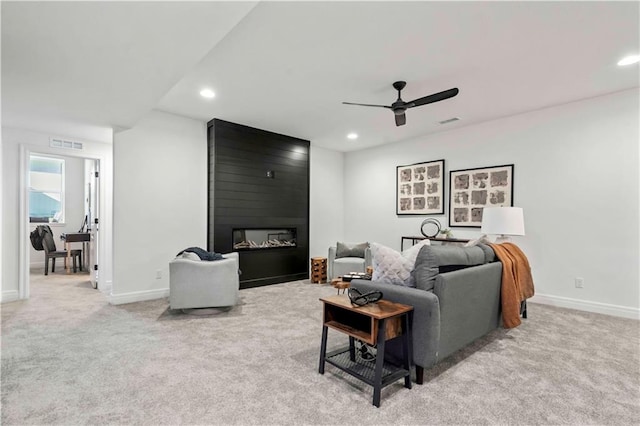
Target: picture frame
420, 188
471, 190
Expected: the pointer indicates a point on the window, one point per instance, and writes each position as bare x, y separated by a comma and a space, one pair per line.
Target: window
46, 189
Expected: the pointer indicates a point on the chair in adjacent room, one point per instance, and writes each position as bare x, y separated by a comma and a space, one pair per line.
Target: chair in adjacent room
50, 252
345, 258
195, 283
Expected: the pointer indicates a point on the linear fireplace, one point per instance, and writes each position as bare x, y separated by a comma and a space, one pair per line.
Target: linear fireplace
260, 239
259, 202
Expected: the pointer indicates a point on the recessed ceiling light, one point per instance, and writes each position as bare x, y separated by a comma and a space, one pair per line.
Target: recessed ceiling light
628, 60
207, 93
352, 136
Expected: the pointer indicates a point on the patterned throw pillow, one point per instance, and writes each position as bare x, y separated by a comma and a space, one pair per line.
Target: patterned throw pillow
394, 267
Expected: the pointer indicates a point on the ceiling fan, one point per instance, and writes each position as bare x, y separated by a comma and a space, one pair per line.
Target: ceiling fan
400, 106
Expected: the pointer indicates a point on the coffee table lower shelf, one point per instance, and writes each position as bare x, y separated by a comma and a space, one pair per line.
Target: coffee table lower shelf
364, 370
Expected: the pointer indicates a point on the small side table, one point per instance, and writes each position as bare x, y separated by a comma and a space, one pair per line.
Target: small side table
374, 323
318, 269
340, 285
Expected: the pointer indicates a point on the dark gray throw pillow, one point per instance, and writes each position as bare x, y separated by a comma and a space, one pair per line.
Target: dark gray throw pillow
350, 250
434, 260
425, 269
489, 254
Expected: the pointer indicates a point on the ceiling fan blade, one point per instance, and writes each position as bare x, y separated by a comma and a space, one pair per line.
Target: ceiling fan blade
436, 97
369, 105
401, 119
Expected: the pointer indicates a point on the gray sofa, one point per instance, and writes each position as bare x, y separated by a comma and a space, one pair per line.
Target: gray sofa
451, 309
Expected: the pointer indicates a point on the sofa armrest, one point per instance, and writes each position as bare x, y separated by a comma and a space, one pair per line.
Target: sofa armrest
426, 316
469, 305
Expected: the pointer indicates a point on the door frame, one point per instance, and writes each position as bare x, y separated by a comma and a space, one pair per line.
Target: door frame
105, 240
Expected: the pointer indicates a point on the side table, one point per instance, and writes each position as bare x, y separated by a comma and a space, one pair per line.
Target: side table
374, 324
340, 285
318, 269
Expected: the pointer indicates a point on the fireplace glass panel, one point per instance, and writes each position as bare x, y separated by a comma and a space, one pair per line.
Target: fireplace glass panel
253, 239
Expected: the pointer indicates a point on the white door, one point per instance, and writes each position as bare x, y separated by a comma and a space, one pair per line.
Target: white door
92, 210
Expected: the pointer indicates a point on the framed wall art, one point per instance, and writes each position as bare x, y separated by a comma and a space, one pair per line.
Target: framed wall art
420, 188
471, 190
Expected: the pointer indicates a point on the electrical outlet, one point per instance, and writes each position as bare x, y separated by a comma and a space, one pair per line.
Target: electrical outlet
159, 274
579, 282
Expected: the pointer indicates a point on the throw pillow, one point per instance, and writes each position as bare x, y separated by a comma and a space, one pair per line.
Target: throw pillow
392, 266
412, 252
434, 260
483, 239
489, 254
425, 269
350, 250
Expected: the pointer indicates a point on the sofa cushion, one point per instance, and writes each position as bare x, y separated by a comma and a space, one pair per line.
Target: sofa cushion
434, 260
394, 267
350, 250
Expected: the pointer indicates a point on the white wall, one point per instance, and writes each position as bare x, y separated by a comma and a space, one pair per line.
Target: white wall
576, 176
160, 201
12, 235
73, 205
326, 216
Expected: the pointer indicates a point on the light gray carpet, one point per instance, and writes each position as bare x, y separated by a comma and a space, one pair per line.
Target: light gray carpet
70, 358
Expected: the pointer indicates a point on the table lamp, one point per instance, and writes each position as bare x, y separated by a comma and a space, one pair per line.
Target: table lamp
502, 221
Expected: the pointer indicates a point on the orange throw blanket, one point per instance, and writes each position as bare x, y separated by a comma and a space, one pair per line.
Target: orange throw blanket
517, 282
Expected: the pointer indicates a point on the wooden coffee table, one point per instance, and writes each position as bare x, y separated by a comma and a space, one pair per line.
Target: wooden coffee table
374, 323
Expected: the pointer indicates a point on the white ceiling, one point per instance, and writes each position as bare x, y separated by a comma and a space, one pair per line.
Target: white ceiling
287, 66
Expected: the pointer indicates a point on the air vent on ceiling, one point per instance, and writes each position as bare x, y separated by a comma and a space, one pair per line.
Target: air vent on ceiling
63, 143
449, 120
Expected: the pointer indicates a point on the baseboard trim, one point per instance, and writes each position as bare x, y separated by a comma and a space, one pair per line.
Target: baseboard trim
583, 305
9, 296
138, 296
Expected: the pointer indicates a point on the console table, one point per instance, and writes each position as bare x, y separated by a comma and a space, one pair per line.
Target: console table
443, 240
374, 323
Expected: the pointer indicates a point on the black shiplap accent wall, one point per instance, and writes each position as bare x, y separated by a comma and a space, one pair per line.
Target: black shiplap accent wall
242, 196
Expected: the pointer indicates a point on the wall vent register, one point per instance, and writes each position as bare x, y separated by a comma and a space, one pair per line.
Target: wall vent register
63, 143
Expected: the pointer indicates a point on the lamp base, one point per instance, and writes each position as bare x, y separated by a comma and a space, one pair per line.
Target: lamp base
503, 239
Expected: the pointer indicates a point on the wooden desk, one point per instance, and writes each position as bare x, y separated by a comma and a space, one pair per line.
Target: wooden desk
78, 237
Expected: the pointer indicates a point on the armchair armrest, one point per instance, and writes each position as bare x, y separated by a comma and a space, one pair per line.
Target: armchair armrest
367, 258
331, 258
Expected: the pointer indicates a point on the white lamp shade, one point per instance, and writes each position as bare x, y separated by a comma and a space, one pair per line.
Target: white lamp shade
502, 221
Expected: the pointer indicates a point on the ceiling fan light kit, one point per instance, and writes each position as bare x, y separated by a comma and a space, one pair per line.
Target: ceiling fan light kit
399, 106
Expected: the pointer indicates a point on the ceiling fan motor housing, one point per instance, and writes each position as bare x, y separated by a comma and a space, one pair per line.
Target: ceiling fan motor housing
399, 107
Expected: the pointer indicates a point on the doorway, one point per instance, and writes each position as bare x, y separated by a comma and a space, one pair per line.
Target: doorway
63, 192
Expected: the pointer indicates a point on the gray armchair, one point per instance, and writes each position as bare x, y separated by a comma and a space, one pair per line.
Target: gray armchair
204, 284
344, 265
